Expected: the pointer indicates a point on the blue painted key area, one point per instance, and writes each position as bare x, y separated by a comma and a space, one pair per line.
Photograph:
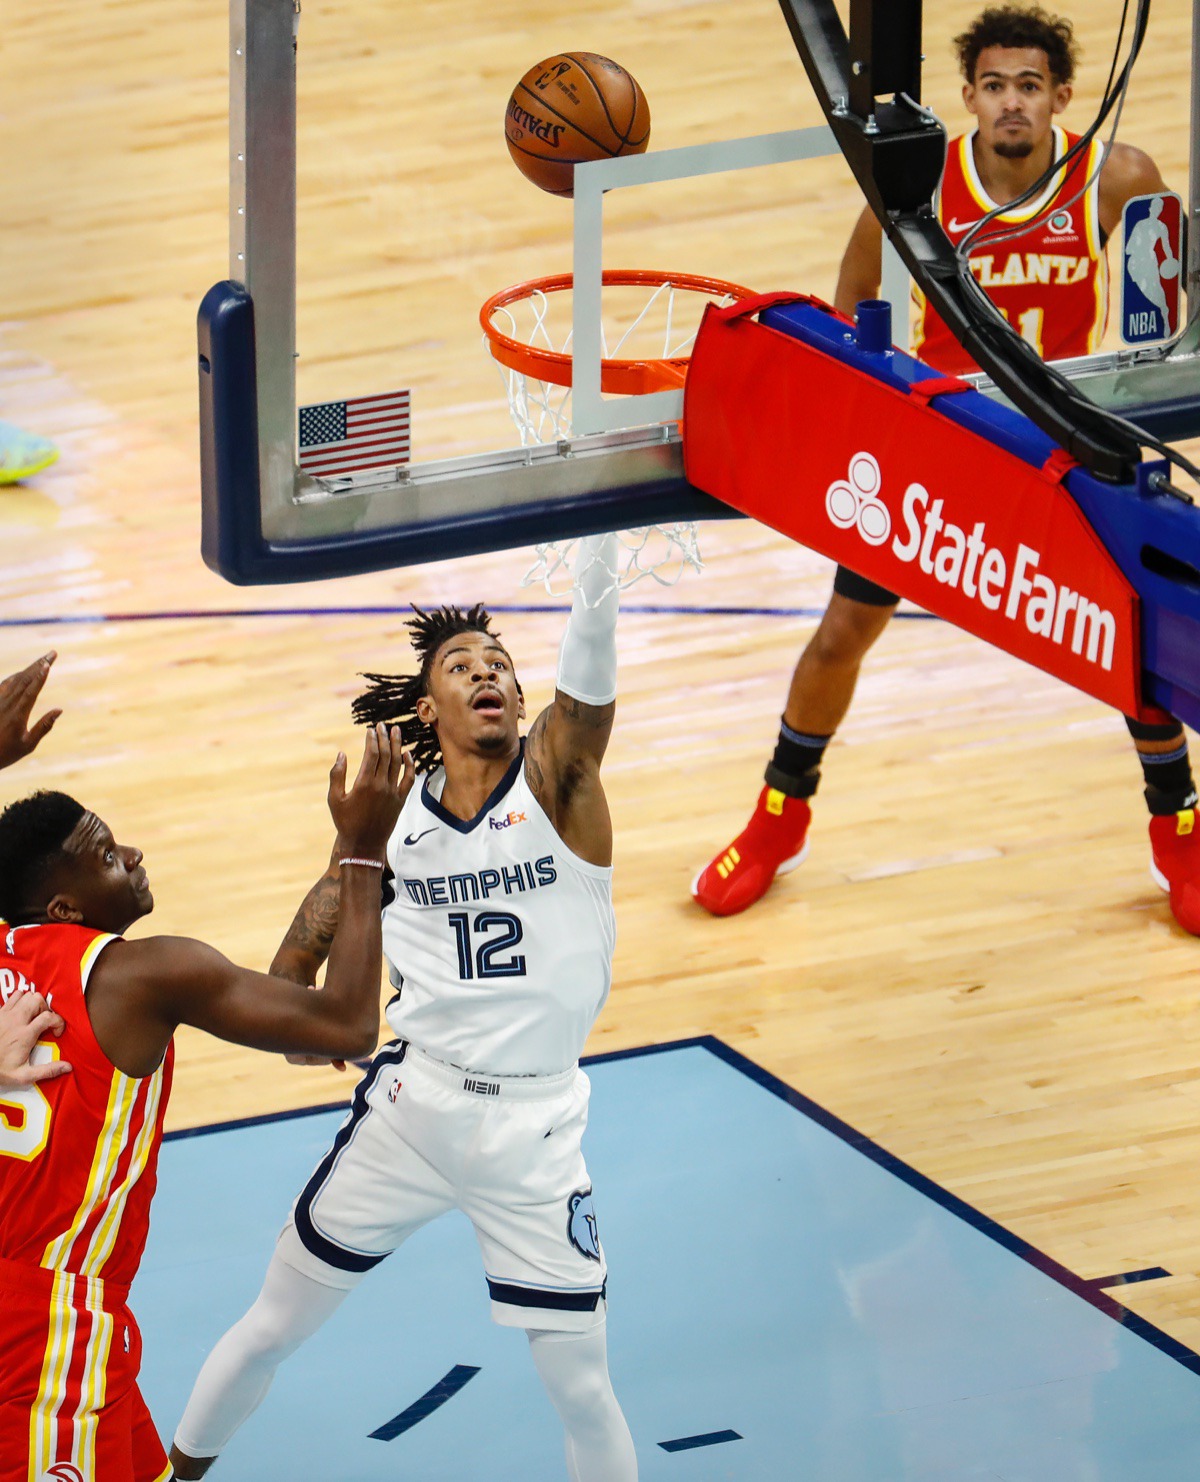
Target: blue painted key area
786, 1302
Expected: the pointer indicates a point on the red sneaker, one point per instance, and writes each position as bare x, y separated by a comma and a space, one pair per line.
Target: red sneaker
1175, 864
772, 843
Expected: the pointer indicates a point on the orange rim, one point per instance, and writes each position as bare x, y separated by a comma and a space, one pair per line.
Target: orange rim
633, 377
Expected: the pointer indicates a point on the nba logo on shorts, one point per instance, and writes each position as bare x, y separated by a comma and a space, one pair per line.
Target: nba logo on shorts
1151, 267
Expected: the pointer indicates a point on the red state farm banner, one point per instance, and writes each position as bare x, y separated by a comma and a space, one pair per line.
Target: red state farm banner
881, 482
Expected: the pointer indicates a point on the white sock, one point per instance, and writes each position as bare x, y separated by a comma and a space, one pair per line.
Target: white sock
574, 1369
238, 1372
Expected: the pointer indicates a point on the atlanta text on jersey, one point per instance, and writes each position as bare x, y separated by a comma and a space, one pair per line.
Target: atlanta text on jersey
1022, 268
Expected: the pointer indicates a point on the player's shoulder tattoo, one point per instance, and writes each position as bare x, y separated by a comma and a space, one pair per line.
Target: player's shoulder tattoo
534, 757
594, 717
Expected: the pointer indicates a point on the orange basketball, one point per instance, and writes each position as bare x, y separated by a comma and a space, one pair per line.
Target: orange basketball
570, 108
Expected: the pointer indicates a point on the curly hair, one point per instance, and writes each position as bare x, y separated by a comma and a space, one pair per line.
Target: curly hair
1020, 26
32, 834
392, 698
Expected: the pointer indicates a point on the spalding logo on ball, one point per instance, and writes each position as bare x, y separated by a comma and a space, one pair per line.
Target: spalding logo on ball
574, 107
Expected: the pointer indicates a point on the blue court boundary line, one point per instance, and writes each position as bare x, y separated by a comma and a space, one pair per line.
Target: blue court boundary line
861, 1143
710, 1438
645, 609
433, 1399
1127, 1278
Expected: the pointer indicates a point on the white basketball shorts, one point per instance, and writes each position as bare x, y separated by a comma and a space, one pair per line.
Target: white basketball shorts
422, 1138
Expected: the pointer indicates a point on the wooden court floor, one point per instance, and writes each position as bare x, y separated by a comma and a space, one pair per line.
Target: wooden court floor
973, 967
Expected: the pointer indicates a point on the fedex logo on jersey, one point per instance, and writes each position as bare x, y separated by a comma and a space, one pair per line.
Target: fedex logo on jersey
1007, 583
1151, 267
507, 821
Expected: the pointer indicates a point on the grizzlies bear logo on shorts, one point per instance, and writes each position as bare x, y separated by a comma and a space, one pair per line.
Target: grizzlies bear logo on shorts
581, 1224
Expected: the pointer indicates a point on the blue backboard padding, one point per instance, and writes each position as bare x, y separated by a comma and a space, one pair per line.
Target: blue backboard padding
771, 1274
998, 423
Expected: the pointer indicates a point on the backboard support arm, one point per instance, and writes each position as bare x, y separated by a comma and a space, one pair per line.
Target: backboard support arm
897, 151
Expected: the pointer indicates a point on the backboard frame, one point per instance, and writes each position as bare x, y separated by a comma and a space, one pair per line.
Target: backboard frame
265, 521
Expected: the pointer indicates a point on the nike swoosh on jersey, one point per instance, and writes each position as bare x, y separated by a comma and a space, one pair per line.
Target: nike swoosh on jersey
413, 838
954, 225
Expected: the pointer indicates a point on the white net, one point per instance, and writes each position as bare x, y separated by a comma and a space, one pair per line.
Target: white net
662, 552
644, 321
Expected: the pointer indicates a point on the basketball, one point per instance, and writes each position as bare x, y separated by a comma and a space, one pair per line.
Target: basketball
570, 108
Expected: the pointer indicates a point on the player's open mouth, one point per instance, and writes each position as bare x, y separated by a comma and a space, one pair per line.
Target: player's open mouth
488, 702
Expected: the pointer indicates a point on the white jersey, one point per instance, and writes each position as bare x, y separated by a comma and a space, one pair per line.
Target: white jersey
499, 939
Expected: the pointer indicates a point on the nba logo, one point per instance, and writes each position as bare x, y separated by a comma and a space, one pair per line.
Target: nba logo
1151, 267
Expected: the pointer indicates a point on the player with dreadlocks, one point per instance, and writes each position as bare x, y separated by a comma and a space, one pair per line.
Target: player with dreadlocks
498, 930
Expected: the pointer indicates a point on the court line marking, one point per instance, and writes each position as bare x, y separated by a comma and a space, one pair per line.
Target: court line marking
433, 1399
404, 609
712, 1438
1014, 1244
1127, 1278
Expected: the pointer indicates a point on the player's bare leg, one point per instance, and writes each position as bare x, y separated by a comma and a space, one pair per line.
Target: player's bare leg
574, 1369
822, 687
826, 674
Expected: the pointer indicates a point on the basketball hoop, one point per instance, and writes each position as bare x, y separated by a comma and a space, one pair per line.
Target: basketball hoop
648, 324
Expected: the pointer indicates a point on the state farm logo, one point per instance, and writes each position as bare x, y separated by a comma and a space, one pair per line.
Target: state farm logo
966, 562
507, 821
855, 500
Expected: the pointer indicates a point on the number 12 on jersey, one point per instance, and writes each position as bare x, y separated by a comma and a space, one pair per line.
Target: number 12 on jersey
478, 950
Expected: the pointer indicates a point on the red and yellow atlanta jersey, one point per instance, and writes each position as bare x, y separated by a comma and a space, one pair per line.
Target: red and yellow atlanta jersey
1050, 282
78, 1154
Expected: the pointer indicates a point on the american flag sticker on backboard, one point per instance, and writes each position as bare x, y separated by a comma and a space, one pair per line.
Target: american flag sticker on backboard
344, 437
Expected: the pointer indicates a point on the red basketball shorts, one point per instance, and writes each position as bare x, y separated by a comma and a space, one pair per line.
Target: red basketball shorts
70, 1408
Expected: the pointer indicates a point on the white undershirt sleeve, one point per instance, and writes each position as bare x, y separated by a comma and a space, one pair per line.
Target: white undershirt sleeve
587, 660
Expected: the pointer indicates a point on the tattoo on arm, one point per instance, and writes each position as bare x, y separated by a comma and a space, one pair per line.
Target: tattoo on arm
311, 932
593, 716
533, 758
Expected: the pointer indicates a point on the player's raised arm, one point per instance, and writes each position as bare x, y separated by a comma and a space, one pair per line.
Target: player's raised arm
18, 695
141, 990
305, 946
568, 740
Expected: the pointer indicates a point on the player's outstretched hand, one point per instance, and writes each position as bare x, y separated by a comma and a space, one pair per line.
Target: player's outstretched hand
18, 695
366, 815
24, 1019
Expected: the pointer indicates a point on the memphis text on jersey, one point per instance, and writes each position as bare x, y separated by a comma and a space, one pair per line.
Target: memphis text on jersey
480, 885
